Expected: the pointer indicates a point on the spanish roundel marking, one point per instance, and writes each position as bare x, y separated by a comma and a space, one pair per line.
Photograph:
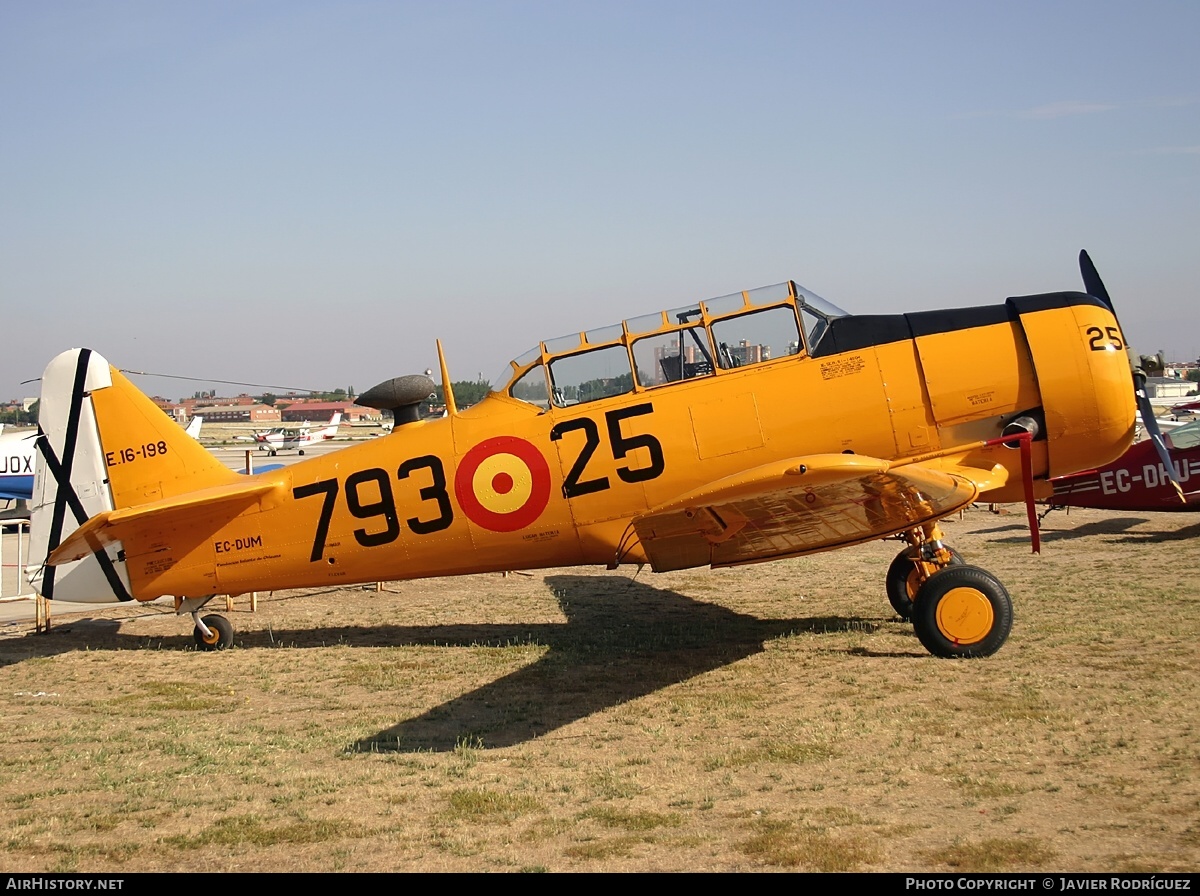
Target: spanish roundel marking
503, 484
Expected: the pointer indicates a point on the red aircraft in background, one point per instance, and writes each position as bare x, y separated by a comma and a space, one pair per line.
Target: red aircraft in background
1138, 479
1186, 408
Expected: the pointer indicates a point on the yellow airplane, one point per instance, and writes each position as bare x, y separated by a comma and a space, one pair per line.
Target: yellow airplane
756, 426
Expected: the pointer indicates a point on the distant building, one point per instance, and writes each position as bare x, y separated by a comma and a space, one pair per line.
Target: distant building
320, 411
238, 413
745, 353
667, 366
1166, 387
173, 409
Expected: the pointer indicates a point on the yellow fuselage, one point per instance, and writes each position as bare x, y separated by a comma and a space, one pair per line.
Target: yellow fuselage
508, 485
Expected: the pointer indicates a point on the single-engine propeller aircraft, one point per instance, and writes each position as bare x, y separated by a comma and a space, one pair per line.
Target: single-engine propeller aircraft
295, 438
1185, 409
1138, 480
712, 434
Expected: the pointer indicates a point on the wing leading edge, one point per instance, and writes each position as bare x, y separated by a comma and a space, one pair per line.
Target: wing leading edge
805, 505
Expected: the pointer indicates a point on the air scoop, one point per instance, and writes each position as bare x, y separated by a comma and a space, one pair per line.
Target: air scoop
402, 395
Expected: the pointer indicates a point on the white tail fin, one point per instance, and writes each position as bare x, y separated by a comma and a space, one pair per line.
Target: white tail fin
71, 483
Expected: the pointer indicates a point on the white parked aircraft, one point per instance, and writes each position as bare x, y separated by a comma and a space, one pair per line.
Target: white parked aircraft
295, 438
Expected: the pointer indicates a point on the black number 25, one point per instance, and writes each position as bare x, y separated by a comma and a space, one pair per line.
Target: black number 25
575, 485
1098, 342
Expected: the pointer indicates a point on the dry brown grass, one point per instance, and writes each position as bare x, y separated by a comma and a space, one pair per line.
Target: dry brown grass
769, 717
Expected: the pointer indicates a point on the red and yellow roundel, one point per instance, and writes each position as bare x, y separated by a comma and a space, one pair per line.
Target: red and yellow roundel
503, 484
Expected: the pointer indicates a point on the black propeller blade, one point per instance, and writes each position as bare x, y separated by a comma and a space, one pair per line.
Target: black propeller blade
1095, 287
1152, 430
1092, 283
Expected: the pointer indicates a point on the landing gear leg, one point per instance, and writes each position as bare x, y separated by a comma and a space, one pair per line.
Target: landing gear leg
956, 610
924, 556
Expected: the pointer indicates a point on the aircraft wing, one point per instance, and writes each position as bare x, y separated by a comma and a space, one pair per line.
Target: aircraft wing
804, 505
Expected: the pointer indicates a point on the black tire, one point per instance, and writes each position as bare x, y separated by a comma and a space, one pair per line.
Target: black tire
301, 452
222, 631
962, 611
272, 452
902, 582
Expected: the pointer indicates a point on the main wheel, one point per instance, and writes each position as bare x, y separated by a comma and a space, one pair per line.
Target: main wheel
221, 633
962, 611
902, 581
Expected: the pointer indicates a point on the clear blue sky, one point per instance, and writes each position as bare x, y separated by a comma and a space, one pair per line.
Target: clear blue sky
309, 193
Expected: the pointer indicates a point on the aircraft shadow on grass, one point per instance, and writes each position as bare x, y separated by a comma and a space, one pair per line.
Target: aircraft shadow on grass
1118, 526
1162, 536
622, 639
1099, 528
617, 644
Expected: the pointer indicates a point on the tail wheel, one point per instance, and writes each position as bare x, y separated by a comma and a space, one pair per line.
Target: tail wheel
962, 611
220, 633
903, 581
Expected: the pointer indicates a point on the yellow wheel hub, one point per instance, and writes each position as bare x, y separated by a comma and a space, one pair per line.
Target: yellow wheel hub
965, 616
212, 637
913, 584
918, 577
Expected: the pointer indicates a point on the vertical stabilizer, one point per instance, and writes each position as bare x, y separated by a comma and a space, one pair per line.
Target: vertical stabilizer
102, 445
70, 483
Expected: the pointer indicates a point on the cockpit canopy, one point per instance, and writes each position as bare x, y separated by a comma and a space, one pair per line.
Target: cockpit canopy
704, 339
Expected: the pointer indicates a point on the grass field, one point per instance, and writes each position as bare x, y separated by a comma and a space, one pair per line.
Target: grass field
772, 717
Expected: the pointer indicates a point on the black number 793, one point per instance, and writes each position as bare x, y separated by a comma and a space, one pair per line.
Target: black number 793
379, 503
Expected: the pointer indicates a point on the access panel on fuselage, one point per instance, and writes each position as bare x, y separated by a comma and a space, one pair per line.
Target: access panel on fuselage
976, 372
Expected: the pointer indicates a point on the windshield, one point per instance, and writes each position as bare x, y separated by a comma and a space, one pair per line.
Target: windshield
816, 313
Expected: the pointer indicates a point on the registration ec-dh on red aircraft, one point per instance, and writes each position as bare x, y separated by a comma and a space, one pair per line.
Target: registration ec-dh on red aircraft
714, 434
1138, 479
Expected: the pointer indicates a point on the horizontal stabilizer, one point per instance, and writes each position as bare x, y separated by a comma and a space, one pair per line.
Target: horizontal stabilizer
106, 528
